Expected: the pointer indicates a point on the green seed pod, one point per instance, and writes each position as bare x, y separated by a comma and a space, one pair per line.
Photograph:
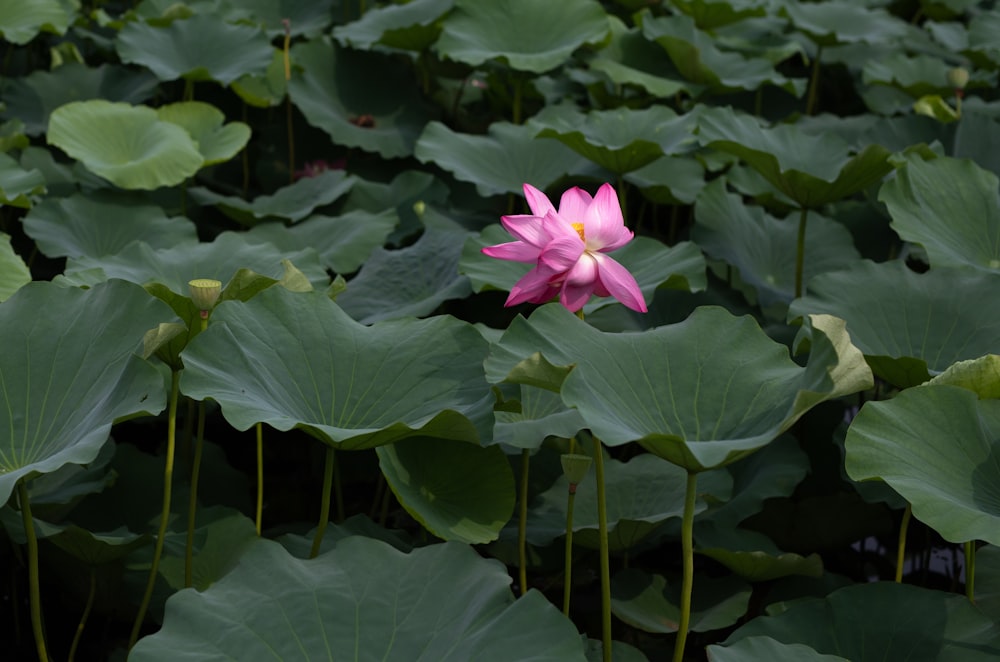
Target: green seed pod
958, 78
205, 292
575, 467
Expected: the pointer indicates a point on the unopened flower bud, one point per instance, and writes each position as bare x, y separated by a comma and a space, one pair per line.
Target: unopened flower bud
958, 78
205, 293
575, 467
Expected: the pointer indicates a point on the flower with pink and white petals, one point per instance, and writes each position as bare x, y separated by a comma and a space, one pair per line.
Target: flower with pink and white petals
568, 248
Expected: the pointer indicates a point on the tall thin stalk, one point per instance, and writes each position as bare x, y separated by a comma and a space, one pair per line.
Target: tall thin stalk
168, 478
290, 128
970, 571
199, 447
259, 514
324, 508
687, 550
91, 594
814, 83
800, 251
602, 530
522, 523
568, 560
904, 526
33, 587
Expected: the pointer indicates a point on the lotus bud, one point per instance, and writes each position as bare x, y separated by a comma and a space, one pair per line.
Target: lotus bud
958, 78
575, 467
205, 293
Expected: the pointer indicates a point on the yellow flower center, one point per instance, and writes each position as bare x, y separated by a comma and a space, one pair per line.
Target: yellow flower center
579, 230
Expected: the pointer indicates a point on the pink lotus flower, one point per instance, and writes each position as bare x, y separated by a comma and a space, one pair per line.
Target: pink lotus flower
568, 246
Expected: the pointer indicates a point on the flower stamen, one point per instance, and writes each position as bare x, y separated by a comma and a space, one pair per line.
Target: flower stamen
579, 230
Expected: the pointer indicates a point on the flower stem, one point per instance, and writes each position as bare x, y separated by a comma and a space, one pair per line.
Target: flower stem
568, 582
970, 571
901, 548
35, 592
324, 509
338, 491
518, 96
522, 523
259, 515
602, 528
814, 83
199, 446
168, 476
687, 549
800, 251
86, 614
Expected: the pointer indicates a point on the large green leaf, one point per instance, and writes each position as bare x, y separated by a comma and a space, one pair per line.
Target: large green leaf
13, 271
621, 140
20, 22
539, 413
631, 59
938, 447
297, 360
307, 19
32, 98
527, 35
127, 145
334, 91
910, 326
701, 393
763, 248
754, 649
17, 185
103, 223
411, 281
200, 48
343, 242
652, 604
950, 207
697, 56
366, 601
811, 169
293, 202
70, 371
840, 22
501, 161
459, 491
174, 267
204, 123
411, 26
884, 621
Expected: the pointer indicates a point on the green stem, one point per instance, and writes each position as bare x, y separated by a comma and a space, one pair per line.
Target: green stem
518, 99
522, 523
814, 83
86, 614
687, 549
199, 446
246, 157
602, 530
568, 585
259, 515
188, 90
324, 509
338, 491
970, 571
901, 548
800, 251
168, 476
35, 592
